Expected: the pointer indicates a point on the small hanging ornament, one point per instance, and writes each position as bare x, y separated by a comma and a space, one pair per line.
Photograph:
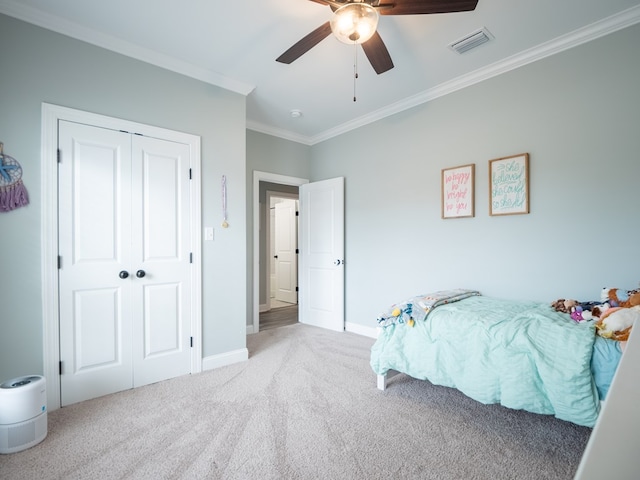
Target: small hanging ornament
13, 193
224, 202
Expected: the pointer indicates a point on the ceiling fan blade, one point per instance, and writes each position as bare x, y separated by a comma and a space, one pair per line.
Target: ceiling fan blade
421, 7
377, 53
333, 4
305, 44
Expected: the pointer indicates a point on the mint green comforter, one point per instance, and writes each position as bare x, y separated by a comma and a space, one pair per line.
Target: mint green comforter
523, 355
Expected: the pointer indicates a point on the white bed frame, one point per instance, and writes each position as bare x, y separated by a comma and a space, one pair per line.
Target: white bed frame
382, 379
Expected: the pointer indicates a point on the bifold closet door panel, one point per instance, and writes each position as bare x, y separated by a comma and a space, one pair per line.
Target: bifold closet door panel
95, 254
161, 263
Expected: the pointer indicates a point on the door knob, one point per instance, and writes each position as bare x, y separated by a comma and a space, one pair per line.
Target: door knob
123, 274
140, 273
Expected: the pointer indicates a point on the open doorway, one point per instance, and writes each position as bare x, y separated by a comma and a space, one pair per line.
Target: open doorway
269, 191
282, 248
321, 258
281, 308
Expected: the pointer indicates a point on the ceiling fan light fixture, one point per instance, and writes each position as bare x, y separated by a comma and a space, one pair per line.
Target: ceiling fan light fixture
354, 22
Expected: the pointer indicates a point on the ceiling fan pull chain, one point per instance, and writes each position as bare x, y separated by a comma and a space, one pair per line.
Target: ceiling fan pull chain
355, 68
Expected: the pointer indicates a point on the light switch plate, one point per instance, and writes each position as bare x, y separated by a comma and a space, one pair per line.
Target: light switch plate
208, 234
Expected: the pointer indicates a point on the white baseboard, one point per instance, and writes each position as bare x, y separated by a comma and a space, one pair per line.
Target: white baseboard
224, 359
249, 329
263, 308
371, 332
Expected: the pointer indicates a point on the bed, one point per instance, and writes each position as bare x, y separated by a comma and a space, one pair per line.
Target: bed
523, 355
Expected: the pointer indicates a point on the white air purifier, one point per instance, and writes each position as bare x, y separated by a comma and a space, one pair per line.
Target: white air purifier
23, 413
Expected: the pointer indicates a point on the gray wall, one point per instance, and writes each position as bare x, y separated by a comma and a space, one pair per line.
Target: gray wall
578, 116
41, 66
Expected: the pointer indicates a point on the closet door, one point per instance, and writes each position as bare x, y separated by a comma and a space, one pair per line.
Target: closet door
124, 229
95, 252
160, 260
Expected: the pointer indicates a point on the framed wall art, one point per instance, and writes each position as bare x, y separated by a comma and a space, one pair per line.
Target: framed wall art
458, 191
509, 185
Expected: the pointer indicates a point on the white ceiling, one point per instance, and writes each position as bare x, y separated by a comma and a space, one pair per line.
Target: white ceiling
234, 44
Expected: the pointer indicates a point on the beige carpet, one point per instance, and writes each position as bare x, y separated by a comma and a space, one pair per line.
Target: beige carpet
304, 406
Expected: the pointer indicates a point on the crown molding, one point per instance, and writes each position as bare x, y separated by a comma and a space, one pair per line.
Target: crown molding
73, 30
604, 27
278, 132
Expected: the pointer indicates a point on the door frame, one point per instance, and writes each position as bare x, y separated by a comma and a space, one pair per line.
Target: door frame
271, 194
51, 115
258, 177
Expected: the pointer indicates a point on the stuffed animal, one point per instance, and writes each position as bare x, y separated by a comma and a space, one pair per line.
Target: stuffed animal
598, 310
614, 296
616, 322
579, 314
564, 306
632, 301
580, 311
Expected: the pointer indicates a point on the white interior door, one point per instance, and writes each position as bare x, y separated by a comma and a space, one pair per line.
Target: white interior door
160, 267
321, 295
95, 237
124, 248
286, 241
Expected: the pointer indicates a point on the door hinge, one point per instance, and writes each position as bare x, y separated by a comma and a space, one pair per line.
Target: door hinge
59, 262
60, 368
296, 289
189, 174
297, 213
59, 156
190, 257
191, 340
297, 251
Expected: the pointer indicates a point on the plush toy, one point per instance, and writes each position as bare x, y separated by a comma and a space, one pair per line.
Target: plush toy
579, 314
618, 298
564, 306
616, 322
614, 296
598, 310
580, 311
632, 301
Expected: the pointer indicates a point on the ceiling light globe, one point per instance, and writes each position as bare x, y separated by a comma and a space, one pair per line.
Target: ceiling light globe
354, 22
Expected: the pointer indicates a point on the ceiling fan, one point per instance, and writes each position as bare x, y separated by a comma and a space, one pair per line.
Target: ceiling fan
355, 21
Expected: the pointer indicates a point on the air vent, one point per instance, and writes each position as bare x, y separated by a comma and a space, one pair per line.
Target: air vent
472, 40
